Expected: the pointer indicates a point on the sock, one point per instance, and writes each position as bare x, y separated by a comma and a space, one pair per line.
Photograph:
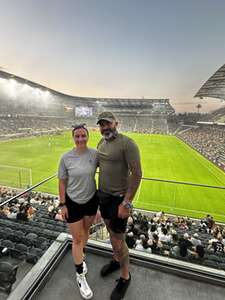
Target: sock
127, 279
79, 268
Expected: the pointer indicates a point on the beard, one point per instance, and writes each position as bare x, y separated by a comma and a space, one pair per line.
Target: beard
110, 133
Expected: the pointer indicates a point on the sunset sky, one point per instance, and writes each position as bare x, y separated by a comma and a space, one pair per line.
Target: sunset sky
116, 48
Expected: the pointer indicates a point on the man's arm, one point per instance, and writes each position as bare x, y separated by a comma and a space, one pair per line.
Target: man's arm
133, 184
133, 180
133, 160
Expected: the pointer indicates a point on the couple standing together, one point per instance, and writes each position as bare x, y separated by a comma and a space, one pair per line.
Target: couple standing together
118, 159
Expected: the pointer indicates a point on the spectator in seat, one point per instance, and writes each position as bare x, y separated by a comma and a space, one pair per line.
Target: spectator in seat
185, 244
2, 213
130, 240
195, 240
198, 252
155, 244
22, 214
12, 213
218, 245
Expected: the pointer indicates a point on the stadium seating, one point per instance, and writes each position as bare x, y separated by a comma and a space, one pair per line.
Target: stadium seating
33, 255
209, 141
7, 275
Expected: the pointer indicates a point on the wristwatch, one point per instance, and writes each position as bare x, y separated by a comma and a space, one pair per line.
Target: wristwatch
62, 204
127, 204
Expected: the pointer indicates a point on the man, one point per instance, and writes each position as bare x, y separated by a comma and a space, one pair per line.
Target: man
119, 178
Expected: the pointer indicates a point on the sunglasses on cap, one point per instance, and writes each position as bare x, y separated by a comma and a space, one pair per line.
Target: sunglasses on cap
78, 126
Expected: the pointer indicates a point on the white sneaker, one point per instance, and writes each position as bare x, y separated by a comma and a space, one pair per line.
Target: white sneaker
85, 268
84, 288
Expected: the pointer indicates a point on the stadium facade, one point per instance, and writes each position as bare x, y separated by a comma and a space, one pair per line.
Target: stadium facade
21, 98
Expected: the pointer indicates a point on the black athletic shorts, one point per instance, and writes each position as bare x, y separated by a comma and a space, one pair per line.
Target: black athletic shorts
77, 211
108, 205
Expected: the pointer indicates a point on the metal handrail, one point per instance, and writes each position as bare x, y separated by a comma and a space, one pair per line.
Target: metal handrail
28, 190
143, 178
185, 183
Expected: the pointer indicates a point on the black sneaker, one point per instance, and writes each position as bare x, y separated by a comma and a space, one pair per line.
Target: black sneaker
112, 266
120, 289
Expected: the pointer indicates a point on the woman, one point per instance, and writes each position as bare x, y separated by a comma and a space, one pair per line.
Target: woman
78, 201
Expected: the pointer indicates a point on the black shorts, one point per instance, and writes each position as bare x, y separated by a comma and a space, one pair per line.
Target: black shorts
108, 205
77, 211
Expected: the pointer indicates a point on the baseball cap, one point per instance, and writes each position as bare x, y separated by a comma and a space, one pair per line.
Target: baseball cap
106, 116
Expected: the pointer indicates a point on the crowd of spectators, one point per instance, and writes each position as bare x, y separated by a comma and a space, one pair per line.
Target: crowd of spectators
26, 232
24, 208
20, 125
179, 237
209, 141
17, 126
158, 233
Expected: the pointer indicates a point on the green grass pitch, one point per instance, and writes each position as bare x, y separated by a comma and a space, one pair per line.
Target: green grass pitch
163, 157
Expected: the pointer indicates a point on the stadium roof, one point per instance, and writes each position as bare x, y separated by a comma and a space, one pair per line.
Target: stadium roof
21, 80
101, 101
214, 87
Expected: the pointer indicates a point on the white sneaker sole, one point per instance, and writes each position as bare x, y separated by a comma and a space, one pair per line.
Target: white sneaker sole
82, 294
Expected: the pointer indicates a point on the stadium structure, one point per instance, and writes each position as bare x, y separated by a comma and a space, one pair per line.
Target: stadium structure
47, 105
214, 87
35, 253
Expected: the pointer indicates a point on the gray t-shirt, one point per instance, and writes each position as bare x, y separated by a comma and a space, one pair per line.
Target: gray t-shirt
79, 170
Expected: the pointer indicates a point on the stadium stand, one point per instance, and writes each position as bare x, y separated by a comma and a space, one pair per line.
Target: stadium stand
200, 242
31, 224
49, 110
179, 237
216, 116
209, 140
151, 232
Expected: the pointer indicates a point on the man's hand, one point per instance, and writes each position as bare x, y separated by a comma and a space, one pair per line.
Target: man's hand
123, 212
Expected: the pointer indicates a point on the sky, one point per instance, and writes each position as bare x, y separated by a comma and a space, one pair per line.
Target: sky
116, 48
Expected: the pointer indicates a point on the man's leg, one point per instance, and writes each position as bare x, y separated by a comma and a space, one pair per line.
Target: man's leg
120, 251
121, 254
88, 221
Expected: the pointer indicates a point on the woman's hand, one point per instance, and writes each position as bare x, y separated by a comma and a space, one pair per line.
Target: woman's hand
64, 212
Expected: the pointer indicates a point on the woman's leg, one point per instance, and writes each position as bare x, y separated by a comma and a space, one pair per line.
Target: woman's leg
78, 233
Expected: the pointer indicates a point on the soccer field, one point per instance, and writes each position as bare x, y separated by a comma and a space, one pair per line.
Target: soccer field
163, 157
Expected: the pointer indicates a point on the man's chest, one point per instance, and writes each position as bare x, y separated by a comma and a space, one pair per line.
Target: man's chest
110, 152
